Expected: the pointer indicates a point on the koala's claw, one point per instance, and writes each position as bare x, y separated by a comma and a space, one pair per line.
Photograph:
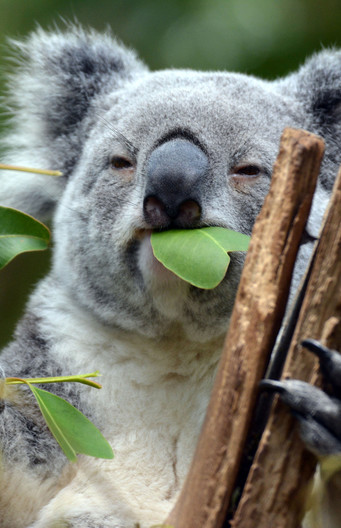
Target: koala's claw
330, 364
318, 413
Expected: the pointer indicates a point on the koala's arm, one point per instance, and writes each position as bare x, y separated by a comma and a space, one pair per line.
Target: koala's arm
83, 504
30, 460
32, 465
39, 487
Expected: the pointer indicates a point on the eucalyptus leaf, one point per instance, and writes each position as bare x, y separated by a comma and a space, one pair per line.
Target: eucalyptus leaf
198, 256
72, 430
20, 232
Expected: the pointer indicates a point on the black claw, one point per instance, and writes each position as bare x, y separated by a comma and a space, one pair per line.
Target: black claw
319, 350
270, 385
305, 400
301, 397
330, 363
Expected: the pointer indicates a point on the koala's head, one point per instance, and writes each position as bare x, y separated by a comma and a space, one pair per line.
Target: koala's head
144, 150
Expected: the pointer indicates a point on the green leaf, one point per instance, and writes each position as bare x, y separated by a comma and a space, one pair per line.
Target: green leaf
20, 232
72, 430
198, 256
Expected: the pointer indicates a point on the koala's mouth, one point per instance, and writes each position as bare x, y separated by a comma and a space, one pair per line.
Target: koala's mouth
140, 234
151, 269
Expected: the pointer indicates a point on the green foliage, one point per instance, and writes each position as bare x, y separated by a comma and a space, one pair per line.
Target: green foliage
72, 430
198, 256
19, 233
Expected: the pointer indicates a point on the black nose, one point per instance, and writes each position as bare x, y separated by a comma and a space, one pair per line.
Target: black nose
175, 172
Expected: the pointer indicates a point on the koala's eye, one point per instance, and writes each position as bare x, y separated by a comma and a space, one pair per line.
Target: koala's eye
247, 170
120, 163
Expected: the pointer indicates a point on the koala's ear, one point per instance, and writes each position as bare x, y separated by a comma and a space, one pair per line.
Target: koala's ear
317, 86
51, 96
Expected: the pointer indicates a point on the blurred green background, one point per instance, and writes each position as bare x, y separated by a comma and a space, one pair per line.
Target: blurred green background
263, 37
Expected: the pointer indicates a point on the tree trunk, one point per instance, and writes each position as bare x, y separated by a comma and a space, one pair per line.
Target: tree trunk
274, 496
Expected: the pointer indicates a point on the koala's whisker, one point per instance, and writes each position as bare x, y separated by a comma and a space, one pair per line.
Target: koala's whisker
131, 147
132, 203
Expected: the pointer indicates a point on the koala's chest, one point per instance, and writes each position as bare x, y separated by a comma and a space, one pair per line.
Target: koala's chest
150, 408
153, 430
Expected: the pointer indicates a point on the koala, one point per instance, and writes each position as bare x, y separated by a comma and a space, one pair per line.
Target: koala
139, 151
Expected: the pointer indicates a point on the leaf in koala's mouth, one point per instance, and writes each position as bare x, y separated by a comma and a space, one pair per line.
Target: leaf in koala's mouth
198, 256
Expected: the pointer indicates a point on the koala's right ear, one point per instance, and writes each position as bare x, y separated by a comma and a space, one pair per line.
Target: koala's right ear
50, 97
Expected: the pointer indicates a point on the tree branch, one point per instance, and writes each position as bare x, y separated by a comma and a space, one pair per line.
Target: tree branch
282, 466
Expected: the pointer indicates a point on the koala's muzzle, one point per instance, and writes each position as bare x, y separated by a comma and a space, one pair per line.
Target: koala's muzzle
175, 172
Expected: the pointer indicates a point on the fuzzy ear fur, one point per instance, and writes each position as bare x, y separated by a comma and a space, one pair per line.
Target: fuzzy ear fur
50, 97
317, 85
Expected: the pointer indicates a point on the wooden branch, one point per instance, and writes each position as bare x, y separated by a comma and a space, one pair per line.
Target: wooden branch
255, 321
274, 495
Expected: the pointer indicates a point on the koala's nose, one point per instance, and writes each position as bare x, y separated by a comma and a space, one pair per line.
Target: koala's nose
175, 172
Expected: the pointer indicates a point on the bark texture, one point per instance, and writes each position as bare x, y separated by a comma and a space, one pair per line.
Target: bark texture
275, 493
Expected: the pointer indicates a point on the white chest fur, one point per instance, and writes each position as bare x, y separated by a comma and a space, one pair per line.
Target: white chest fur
150, 408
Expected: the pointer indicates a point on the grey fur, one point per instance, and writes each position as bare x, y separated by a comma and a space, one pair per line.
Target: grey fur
78, 99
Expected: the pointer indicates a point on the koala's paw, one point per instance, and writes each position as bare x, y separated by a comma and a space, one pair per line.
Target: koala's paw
318, 412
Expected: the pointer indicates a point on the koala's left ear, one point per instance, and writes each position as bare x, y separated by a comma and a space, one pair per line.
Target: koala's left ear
317, 86
52, 96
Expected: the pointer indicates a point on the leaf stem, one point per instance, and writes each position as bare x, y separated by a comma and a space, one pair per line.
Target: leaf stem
57, 173
80, 378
